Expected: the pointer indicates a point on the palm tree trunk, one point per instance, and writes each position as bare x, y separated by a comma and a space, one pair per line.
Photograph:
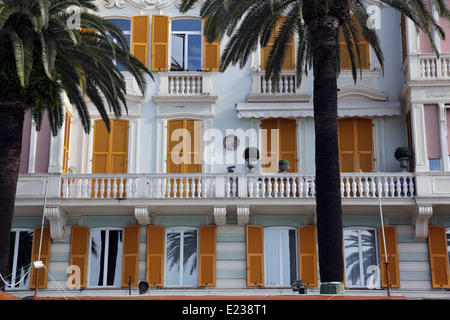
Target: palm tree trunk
324, 31
12, 110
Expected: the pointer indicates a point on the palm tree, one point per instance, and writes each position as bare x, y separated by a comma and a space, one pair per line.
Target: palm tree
317, 24
43, 55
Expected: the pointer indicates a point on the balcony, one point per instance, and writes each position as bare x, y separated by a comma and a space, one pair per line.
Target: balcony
427, 67
218, 186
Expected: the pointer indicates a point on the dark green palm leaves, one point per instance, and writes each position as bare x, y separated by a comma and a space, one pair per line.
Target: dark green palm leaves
78, 58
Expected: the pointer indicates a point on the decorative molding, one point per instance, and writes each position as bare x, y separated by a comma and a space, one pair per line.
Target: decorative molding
220, 215
118, 3
420, 221
361, 92
142, 215
57, 218
243, 215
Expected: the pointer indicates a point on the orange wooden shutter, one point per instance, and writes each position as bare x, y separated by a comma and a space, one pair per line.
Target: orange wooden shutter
119, 146
66, 144
160, 43
139, 37
211, 54
155, 255
363, 50
207, 256
110, 154
284, 148
79, 244
130, 255
289, 58
44, 257
184, 154
255, 256
288, 142
439, 264
270, 149
365, 144
101, 148
392, 256
193, 155
307, 255
355, 144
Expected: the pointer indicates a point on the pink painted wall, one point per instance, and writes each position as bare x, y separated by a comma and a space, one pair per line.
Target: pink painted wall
424, 44
432, 131
43, 146
25, 153
445, 44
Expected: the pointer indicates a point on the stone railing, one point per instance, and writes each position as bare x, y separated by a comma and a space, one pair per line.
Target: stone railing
251, 185
427, 67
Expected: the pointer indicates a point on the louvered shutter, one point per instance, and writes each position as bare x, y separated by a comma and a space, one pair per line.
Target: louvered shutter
207, 256
255, 256
44, 257
392, 256
140, 37
211, 54
439, 263
155, 256
307, 255
160, 43
79, 244
130, 255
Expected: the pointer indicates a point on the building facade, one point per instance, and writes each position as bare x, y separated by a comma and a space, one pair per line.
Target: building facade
168, 198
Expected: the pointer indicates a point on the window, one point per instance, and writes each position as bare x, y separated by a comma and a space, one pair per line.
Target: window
363, 51
289, 58
125, 25
110, 154
361, 259
105, 261
285, 147
184, 147
439, 252
189, 50
280, 256
356, 145
186, 45
21, 245
432, 134
181, 257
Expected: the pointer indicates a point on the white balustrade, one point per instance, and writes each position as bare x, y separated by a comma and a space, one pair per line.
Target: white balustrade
98, 186
185, 85
284, 86
184, 186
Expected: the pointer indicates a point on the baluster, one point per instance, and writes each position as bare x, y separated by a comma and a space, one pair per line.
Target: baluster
115, 188
294, 187
275, 188
122, 188
181, 187
372, 187
183, 85
301, 185
65, 188
199, 188
205, 188
386, 187
288, 188
250, 187
342, 187
234, 187
411, 187
281, 188
347, 187
84, 187
171, 85
313, 187
269, 86
404, 186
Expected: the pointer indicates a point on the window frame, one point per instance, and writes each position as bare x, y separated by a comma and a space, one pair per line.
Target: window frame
182, 230
26, 283
360, 253
186, 44
126, 33
105, 266
281, 258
